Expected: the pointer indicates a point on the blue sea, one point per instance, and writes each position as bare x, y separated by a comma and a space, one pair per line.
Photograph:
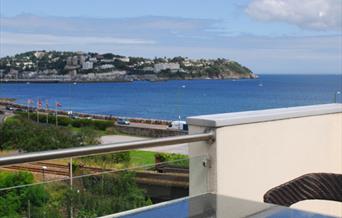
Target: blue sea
170, 99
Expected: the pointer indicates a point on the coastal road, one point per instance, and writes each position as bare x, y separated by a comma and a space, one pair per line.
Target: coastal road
4, 113
179, 149
145, 125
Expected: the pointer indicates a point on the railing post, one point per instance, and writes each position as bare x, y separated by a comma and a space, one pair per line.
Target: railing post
202, 172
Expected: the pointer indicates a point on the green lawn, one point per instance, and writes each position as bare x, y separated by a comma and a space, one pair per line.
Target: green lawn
142, 158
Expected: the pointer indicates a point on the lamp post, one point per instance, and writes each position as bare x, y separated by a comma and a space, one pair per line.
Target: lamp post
44, 168
335, 96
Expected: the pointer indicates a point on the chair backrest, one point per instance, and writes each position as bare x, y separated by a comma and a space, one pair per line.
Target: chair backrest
320, 186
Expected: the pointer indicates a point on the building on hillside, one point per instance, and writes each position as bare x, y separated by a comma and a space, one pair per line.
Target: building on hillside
87, 65
106, 66
164, 66
123, 59
148, 69
74, 60
68, 61
39, 54
93, 59
82, 59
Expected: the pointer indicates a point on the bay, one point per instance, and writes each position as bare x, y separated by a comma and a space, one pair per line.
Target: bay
170, 99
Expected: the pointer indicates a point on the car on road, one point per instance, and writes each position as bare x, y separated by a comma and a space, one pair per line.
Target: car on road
73, 116
2, 112
122, 121
9, 108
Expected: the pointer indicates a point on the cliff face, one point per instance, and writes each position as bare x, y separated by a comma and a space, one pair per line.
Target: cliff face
72, 66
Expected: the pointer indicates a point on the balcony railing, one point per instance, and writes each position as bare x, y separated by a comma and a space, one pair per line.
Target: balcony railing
98, 149
243, 155
82, 187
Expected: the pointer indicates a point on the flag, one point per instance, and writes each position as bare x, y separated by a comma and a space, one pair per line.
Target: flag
40, 104
58, 104
47, 104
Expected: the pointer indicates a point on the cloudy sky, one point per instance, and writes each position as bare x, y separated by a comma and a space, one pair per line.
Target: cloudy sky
269, 36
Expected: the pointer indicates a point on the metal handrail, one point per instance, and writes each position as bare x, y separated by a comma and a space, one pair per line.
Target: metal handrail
100, 149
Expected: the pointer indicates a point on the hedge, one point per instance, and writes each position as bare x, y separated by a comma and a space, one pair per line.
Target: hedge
66, 121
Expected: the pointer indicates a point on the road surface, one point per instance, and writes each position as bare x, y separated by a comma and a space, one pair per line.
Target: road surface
145, 125
2, 115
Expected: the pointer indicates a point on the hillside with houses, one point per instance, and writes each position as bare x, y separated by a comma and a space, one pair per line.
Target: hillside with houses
92, 67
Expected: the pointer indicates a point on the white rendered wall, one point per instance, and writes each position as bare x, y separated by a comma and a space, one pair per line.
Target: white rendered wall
251, 158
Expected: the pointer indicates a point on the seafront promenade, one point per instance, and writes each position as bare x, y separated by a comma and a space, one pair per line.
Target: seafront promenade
137, 127
157, 123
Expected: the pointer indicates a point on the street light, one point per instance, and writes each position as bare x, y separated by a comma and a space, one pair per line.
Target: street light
336, 94
44, 168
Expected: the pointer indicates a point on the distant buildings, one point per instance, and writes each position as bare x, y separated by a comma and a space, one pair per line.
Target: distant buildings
148, 69
75, 60
87, 65
106, 66
164, 66
39, 54
123, 59
93, 59
93, 66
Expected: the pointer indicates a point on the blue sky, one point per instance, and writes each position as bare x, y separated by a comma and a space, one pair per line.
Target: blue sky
269, 36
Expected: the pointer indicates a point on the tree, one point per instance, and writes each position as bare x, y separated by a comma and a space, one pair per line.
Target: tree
106, 194
14, 202
23, 135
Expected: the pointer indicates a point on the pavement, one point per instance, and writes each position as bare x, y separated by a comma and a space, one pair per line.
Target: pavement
179, 148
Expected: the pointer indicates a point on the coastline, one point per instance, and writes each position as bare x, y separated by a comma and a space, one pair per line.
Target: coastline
118, 81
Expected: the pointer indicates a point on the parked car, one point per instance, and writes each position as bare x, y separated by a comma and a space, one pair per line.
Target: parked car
73, 116
178, 125
122, 121
9, 108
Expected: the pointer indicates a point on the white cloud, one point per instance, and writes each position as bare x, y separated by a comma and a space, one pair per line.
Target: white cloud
46, 39
160, 36
307, 14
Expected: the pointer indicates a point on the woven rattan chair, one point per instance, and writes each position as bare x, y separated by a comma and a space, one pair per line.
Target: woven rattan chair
320, 186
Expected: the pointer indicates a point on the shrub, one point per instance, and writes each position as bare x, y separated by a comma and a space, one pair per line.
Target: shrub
102, 124
178, 160
13, 202
66, 121
21, 134
106, 194
113, 158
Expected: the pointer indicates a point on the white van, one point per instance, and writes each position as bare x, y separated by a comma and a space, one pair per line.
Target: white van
178, 125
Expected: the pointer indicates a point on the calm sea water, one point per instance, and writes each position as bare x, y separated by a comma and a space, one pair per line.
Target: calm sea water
168, 100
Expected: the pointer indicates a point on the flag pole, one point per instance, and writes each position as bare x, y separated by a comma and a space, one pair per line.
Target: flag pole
56, 115
28, 109
47, 111
38, 111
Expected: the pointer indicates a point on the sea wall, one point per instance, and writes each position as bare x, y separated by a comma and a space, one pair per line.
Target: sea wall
149, 132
